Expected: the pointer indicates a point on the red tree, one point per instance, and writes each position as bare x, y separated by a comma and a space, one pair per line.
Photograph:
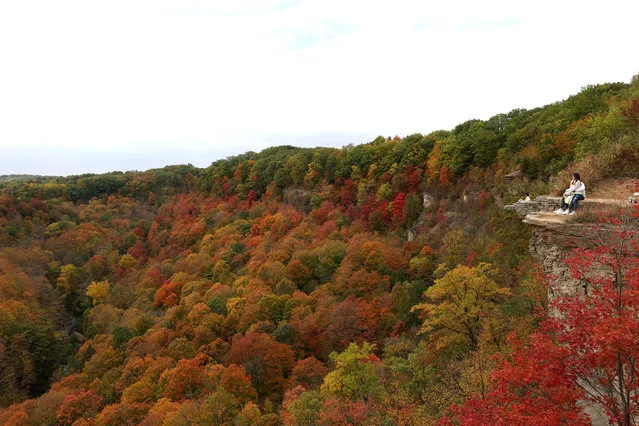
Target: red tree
186, 380
587, 350
398, 207
534, 387
78, 405
309, 372
235, 381
268, 362
601, 328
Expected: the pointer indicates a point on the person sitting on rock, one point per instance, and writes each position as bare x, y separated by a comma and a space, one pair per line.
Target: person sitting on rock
570, 200
525, 200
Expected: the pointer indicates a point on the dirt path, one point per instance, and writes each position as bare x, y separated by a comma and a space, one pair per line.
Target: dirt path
613, 189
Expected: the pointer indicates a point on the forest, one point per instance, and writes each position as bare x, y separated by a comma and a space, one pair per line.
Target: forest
377, 284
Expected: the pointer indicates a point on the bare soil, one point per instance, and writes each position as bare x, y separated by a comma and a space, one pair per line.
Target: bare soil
613, 189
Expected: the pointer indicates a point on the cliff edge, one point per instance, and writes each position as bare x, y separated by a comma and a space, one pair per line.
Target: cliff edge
552, 240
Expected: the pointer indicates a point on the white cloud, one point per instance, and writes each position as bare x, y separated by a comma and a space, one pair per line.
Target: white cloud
148, 75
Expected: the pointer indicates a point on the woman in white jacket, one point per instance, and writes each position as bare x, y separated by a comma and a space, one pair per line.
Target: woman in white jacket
576, 192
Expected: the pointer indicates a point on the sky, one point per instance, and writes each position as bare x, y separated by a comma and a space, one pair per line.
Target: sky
89, 86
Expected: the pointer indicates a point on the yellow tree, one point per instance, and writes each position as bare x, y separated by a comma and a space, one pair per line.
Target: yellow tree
461, 303
98, 292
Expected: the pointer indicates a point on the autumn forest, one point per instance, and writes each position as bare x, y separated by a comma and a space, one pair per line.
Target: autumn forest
377, 284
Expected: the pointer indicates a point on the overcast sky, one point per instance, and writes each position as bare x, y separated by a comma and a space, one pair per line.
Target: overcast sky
88, 86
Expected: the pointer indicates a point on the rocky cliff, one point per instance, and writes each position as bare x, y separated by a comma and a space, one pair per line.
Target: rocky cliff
555, 236
553, 239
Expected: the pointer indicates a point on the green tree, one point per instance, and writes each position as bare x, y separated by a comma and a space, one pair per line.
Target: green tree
220, 408
355, 376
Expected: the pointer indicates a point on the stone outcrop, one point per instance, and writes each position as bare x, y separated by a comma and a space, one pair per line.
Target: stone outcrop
428, 200
550, 243
553, 238
546, 204
539, 204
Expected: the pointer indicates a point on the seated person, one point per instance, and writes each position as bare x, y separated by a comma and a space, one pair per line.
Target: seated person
525, 200
576, 192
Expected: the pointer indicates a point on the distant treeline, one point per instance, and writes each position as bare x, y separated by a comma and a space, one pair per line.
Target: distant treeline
598, 127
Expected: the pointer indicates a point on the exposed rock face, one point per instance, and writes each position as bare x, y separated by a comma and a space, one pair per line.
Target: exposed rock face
428, 200
552, 240
550, 247
518, 174
539, 204
550, 244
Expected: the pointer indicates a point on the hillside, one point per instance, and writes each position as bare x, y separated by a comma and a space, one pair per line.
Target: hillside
374, 284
